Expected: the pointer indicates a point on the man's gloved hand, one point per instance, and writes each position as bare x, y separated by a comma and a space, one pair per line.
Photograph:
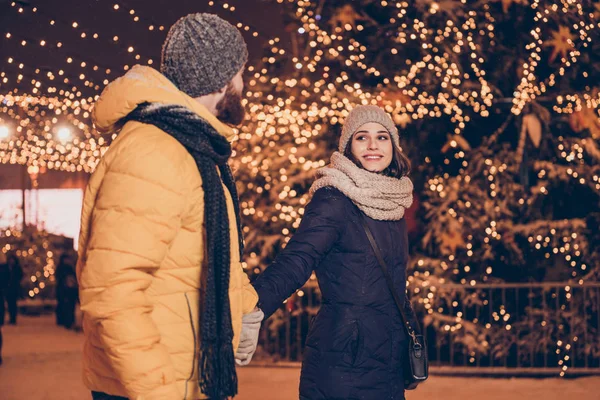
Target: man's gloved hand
249, 336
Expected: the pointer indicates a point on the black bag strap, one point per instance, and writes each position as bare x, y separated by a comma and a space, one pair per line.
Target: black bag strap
409, 330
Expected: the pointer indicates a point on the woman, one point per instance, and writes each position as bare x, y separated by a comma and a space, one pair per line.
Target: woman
356, 345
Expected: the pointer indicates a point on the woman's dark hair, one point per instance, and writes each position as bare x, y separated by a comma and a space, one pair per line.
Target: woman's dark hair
398, 168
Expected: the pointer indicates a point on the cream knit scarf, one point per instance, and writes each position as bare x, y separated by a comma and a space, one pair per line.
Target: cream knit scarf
378, 196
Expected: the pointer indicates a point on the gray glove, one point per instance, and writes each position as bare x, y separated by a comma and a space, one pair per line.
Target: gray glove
249, 337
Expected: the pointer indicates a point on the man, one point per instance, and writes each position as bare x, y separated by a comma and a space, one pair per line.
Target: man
161, 285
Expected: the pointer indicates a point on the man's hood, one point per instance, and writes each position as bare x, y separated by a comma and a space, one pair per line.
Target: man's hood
146, 85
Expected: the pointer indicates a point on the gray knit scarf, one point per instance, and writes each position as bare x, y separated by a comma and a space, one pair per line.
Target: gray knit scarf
380, 197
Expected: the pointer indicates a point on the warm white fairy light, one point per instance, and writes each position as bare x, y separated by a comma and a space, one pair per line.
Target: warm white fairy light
563, 41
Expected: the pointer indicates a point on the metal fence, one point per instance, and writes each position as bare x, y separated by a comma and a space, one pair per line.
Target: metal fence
516, 329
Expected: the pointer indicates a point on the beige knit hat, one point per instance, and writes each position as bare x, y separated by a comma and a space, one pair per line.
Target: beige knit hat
361, 115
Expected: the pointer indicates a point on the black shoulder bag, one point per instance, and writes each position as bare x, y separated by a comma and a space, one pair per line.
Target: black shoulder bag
417, 349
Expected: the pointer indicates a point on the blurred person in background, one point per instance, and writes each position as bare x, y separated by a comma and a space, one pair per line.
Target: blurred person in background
13, 286
67, 291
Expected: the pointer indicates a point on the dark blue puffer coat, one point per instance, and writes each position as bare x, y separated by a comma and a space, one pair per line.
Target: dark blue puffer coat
356, 346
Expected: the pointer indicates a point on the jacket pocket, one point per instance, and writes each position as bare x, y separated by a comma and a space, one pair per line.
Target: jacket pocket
346, 345
191, 315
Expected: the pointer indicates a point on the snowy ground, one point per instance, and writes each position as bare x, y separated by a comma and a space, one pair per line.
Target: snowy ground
42, 362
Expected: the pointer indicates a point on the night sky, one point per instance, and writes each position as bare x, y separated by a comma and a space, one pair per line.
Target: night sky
99, 16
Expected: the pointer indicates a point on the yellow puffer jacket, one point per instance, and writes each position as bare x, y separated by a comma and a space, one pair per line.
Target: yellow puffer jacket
141, 252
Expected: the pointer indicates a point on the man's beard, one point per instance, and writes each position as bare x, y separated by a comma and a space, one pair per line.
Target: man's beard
230, 109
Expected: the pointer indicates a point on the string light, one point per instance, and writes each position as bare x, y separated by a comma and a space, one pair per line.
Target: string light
75, 25
49, 78
240, 25
563, 42
402, 98
33, 142
41, 253
84, 64
136, 18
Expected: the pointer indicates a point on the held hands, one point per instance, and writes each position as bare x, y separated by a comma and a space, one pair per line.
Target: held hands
249, 336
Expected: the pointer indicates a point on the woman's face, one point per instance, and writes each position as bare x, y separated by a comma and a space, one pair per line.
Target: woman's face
372, 146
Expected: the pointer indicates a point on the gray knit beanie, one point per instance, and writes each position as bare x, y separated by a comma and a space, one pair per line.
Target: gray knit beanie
361, 115
202, 53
